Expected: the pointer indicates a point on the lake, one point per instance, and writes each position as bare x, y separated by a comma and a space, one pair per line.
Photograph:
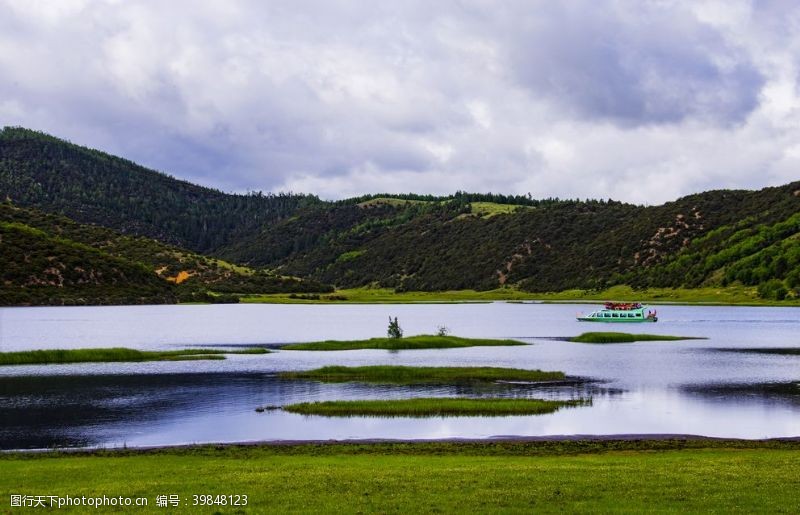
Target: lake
686, 387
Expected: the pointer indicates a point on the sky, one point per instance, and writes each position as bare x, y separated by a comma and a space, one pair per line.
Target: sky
640, 101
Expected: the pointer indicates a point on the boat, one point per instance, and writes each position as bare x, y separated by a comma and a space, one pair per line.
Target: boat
621, 312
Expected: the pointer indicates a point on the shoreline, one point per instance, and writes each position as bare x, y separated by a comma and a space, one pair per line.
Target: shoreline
490, 441
442, 301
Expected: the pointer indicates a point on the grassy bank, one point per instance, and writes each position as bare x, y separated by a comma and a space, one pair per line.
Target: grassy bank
430, 407
114, 354
610, 337
605, 476
412, 342
411, 375
743, 295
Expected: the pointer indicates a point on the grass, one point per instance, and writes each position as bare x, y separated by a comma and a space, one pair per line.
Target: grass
729, 295
430, 407
489, 209
678, 476
411, 375
628, 338
412, 342
114, 354
349, 256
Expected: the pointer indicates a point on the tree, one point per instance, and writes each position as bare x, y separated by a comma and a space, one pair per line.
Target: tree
394, 329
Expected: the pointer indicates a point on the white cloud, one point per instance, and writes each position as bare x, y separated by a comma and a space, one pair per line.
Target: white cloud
638, 101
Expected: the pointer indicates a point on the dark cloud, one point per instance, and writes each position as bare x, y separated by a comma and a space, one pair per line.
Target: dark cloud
346, 97
633, 63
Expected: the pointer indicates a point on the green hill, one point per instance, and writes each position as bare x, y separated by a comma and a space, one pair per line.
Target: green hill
445, 244
753, 252
407, 242
37, 170
181, 274
37, 268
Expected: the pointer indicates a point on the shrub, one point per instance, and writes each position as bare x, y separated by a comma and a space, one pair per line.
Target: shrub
773, 290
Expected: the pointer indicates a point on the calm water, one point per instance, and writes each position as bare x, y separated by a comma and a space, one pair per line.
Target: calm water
686, 387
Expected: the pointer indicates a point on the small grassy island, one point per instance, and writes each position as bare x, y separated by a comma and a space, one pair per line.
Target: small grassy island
431, 407
114, 354
412, 375
628, 338
423, 341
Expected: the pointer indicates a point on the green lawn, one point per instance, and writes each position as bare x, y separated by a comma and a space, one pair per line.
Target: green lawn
550, 477
423, 341
431, 407
114, 354
411, 375
610, 337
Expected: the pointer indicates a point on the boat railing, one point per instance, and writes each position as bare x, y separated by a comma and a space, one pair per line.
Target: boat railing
617, 306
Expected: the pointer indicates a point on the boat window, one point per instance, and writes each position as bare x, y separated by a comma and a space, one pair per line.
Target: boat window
615, 315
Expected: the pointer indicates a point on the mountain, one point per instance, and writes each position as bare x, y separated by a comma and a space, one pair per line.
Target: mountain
89, 186
41, 269
453, 243
50, 259
407, 242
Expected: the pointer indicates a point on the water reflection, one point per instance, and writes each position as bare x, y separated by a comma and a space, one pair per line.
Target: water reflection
39, 412
766, 394
119, 410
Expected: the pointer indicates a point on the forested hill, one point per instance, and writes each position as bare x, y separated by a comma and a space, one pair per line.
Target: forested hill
38, 268
711, 238
422, 242
50, 259
89, 186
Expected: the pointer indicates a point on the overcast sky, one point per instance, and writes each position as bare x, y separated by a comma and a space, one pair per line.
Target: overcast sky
632, 100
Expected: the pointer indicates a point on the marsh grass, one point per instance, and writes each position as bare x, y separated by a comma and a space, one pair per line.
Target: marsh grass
424, 341
431, 407
628, 338
114, 354
412, 375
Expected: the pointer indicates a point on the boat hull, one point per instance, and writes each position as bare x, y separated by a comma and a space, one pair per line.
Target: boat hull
618, 320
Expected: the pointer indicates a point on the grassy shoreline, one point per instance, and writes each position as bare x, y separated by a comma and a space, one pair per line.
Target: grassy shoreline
730, 295
423, 341
613, 337
431, 407
429, 375
114, 355
673, 475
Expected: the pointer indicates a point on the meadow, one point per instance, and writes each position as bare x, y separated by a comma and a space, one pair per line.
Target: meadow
716, 476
